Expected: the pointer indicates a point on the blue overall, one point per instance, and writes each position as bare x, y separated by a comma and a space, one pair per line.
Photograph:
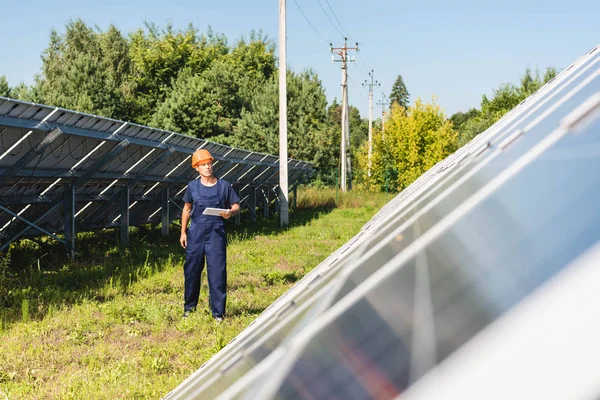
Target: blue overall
206, 237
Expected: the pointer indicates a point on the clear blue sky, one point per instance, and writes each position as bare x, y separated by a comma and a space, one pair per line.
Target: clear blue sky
456, 50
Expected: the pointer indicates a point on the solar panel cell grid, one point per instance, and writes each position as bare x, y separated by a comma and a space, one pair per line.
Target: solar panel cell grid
109, 152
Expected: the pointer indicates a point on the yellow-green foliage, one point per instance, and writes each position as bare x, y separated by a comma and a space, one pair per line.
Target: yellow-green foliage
414, 141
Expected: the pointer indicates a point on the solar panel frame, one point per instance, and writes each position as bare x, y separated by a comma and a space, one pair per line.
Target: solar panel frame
143, 159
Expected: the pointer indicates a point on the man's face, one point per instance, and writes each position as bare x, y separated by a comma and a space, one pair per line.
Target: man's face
205, 169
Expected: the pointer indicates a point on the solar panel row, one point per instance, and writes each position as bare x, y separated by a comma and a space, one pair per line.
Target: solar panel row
62, 171
452, 254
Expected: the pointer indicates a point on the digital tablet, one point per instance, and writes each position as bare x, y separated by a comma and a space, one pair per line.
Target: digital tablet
214, 211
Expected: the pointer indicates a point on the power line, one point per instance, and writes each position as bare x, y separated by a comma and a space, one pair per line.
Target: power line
345, 34
366, 69
338, 21
363, 66
327, 15
310, 23
358, 90
354, 83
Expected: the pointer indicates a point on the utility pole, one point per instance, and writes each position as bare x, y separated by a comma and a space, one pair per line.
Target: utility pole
283, 148
345, 142
370, 85
383, 103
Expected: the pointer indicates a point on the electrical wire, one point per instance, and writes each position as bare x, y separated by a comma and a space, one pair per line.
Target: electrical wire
60, 147
40, 157
354, 83
327, 15
363, 63
338, 21
310, 23
6, 147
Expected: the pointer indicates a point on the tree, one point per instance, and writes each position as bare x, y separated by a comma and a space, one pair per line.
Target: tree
27, 93
415, 140
549, 74
205, 106
504, 99
308, 136
4, 88
459, 118
359, 128
207, 98
158, 56
399, 94
84, 69
256, 57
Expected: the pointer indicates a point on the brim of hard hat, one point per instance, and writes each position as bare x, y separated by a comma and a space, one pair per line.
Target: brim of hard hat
203, 161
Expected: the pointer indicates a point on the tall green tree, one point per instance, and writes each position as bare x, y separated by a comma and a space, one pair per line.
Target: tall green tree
308, 136
84, 69
549, 74
459, 118
27, 93
159, 55
504, 99
4, 87
359, 127
255, 56
207, 105
399, 94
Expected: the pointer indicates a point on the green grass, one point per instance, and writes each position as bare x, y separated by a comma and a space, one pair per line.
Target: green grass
109, 325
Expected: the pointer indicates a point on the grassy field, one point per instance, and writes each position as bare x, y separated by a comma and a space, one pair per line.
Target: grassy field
109, 325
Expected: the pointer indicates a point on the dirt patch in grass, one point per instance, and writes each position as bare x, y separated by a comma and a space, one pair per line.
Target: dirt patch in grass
284, 265
54, 337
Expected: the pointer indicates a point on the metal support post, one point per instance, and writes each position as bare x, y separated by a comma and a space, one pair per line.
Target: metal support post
164, 212
125, 216
69, 207
266, 202
253, 204
295, 204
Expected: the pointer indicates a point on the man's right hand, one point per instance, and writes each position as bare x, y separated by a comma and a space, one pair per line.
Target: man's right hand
183, 240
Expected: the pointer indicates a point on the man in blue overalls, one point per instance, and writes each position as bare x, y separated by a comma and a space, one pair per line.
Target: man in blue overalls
206, 235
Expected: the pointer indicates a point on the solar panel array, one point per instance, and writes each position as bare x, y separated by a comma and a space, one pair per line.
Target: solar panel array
455, 252
62, 171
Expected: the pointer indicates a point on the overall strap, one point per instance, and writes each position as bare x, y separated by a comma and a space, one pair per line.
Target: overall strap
220, 193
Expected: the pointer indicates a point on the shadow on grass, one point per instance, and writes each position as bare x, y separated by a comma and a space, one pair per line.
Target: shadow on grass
255, 311
270, 226
43, 279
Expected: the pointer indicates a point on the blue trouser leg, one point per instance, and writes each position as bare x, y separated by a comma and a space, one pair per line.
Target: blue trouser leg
216, 258
192, 270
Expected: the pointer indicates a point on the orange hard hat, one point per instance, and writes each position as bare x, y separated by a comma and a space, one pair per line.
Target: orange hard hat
200, 156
